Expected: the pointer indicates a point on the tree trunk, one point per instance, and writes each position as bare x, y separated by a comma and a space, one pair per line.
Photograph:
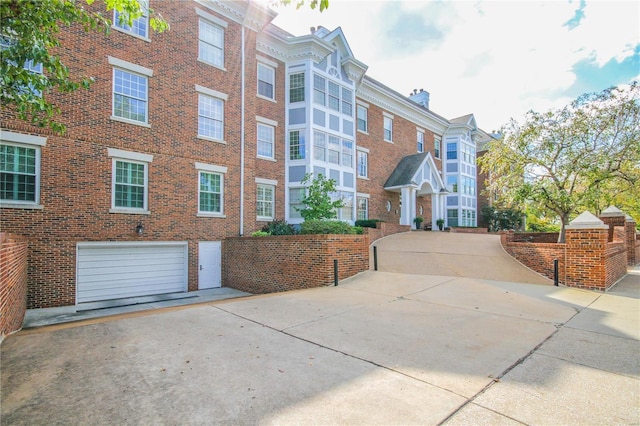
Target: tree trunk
564, 219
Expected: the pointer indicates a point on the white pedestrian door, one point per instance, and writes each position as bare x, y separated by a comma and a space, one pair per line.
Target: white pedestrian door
209, 264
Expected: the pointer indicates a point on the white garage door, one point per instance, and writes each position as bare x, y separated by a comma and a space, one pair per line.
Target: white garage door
114, 270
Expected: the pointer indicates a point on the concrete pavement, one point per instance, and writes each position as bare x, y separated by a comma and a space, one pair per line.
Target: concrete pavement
381, 348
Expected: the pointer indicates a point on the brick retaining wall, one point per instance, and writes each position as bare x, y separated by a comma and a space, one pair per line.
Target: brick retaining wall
13, 282
458, 230
536, 256
291, 262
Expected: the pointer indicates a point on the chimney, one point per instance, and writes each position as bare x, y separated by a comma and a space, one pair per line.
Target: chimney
421, 97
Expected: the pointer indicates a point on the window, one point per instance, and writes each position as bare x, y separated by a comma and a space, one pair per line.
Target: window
34, 68
333, 150
265, 201
346, 212
266, 81
130, 185
319, 146
347, 153
296, 145
452, 183
347, 102
19, 173
452, 151
363, 164
211, 43
139, 26
130, 93
319, 95
420, 141
295, 202
436, 147
452, 217
388, 128
210, 192
296, 87
362, 118
363, 208
265, 140
334, 96
210, 117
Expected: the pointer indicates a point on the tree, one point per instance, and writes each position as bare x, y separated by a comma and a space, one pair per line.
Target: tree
29, 36
500, 219
317, 200
566, 160
312, 4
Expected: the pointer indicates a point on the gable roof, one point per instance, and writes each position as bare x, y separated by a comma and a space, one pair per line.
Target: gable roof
414, 170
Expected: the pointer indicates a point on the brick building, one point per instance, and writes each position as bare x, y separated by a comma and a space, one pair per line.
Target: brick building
204, 132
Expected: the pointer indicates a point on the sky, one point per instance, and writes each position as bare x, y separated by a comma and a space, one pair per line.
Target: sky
495, 59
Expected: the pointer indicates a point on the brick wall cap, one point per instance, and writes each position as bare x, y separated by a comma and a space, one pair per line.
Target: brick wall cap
586, 220
629, 218
611, 211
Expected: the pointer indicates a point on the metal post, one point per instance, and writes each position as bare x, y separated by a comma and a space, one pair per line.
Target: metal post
555, 272
335, 272
375, 258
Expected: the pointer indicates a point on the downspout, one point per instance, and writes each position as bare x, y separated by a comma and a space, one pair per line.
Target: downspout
242, 124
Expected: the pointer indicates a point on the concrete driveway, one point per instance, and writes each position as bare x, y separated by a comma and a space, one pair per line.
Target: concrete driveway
381, 348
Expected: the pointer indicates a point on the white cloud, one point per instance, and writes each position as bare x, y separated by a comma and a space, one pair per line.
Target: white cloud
496, 59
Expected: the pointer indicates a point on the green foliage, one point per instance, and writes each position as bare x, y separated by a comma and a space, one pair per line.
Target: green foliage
359, 230
29, 32
418, 220
279, 227
326, 227
502, 218
260, 234
313, 3
565, 161
317, 200
367, 223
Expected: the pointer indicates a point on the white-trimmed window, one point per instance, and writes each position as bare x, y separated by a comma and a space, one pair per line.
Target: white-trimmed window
20, 170
347, 101
362, 118
420, 140
210, 114
363, 207
319, 146
333, 150
436, 147
139, 27
266, 138
295, 202
211, 42
129, 181
296, 87
388, 127
265, 199
130, 91
319, 90
347, 153
363, 163
210, 189
266, 81
334, 96
296, 145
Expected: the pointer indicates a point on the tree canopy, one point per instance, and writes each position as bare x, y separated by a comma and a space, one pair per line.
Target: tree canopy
584, 156
318, 204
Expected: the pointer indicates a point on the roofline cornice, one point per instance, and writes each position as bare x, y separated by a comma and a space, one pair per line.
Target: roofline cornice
252, 16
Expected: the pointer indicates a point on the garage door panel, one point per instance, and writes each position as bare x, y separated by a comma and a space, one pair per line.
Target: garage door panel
118, 270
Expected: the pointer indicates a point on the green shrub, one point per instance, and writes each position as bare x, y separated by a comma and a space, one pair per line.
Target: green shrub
368, 223
326, 227
359, 230
279, 227
260, 234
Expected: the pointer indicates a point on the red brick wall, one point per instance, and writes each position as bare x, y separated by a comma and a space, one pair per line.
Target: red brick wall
586, 258
459, 230
613, 221
281, 263
537, 256
13, 282
632, 242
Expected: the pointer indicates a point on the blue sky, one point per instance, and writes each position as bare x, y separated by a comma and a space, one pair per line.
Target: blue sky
495, 59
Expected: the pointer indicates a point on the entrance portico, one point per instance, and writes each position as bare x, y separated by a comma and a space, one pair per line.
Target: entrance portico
417, 175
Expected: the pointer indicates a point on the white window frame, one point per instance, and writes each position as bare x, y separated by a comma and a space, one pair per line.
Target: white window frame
270, 125
420, 140
387, 126
218, 96
437, 147
364, 108
271, 184
209, 19
134, 69
293, 213
298, 80
215, 170
362, 152
130, 30
135, 158
30, 142
270, 67
359, 197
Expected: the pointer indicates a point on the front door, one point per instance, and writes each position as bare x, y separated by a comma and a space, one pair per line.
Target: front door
209, 264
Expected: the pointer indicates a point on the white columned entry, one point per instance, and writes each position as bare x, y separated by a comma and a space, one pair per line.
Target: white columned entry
408, 206
435, 209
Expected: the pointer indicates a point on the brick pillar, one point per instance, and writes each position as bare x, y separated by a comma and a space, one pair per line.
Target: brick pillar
586, 242
612, 216
631, 241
